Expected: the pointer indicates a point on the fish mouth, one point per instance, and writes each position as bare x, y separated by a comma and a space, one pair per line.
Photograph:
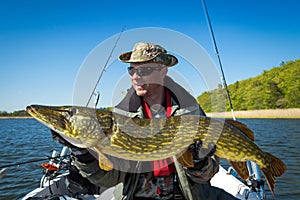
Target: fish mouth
56, 119
29, 110
32, 111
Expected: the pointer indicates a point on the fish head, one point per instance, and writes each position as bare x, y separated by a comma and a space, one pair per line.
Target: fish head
77, 125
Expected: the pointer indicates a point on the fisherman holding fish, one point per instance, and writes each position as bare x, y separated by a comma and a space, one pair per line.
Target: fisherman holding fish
155, 95
157, 144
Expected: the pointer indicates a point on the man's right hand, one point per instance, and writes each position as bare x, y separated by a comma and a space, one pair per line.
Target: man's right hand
58, 138
82, 154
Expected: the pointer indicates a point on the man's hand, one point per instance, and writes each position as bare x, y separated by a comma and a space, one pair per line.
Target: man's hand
83, 155
58, 138
200, 153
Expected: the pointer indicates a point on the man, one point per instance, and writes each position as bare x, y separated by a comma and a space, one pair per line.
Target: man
154, 95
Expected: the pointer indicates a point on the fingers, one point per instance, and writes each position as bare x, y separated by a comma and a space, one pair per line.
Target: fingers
212, 146
206, 152
198, 144
199, 152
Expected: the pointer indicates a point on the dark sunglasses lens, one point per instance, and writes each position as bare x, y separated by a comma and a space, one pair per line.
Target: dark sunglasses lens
142, 71
145, 71
131, 71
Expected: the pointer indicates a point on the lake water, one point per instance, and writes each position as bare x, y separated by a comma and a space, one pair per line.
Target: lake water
26, 139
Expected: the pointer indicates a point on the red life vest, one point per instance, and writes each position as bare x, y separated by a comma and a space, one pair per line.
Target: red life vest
161, 167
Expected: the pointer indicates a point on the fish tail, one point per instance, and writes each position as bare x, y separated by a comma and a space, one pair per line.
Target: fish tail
275, 169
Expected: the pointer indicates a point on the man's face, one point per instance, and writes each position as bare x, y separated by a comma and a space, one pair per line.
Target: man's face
147, 78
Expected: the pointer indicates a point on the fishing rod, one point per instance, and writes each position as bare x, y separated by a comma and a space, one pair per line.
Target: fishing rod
32, 161
218, 56
105, 66
252, 166
96, 99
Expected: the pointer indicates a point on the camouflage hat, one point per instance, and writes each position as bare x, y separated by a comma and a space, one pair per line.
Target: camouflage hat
148, 52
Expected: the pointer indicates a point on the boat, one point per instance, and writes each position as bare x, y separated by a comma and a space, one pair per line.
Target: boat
53, 182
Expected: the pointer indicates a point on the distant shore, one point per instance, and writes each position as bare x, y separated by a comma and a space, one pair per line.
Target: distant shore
15, 117
270, 113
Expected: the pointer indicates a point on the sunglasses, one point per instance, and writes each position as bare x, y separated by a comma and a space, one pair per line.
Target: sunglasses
142, 71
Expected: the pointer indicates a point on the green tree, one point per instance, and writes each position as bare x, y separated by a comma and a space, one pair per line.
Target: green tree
275, 88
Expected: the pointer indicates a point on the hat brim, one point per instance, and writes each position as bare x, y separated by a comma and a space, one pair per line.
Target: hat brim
170, 61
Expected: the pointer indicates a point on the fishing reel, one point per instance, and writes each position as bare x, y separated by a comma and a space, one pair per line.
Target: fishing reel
58, 162
254, 182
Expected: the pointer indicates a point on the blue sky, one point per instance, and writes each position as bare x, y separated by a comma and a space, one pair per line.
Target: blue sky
44, 42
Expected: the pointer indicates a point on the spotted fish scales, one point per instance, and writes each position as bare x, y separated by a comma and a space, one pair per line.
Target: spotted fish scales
153, 139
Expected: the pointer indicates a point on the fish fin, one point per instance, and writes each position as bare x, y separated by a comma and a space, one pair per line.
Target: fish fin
276, 168
242, 127
104, 162
241, 168
186, 159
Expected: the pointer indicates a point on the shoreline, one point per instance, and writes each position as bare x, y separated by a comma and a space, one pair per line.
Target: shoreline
291, 113
15, 117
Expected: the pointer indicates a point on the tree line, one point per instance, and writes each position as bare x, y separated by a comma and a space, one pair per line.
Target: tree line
277, 88
19, 113
23, 113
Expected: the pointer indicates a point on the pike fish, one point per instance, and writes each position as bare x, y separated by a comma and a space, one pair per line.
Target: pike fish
112, 134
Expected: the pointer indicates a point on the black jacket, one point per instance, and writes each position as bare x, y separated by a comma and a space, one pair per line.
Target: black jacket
127, 172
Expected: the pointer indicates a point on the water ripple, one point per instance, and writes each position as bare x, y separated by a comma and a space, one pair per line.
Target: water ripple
27, 139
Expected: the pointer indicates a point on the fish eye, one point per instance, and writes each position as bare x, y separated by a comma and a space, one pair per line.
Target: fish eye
73, 111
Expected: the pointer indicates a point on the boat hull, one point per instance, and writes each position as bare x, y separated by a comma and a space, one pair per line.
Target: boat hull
222, 179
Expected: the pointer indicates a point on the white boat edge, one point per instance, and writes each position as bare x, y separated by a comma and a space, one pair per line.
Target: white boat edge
228, 182
222, 179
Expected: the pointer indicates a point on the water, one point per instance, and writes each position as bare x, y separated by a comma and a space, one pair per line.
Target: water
27, 139
281, 137
23, 140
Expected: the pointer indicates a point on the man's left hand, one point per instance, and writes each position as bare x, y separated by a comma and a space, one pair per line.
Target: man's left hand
200, 153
